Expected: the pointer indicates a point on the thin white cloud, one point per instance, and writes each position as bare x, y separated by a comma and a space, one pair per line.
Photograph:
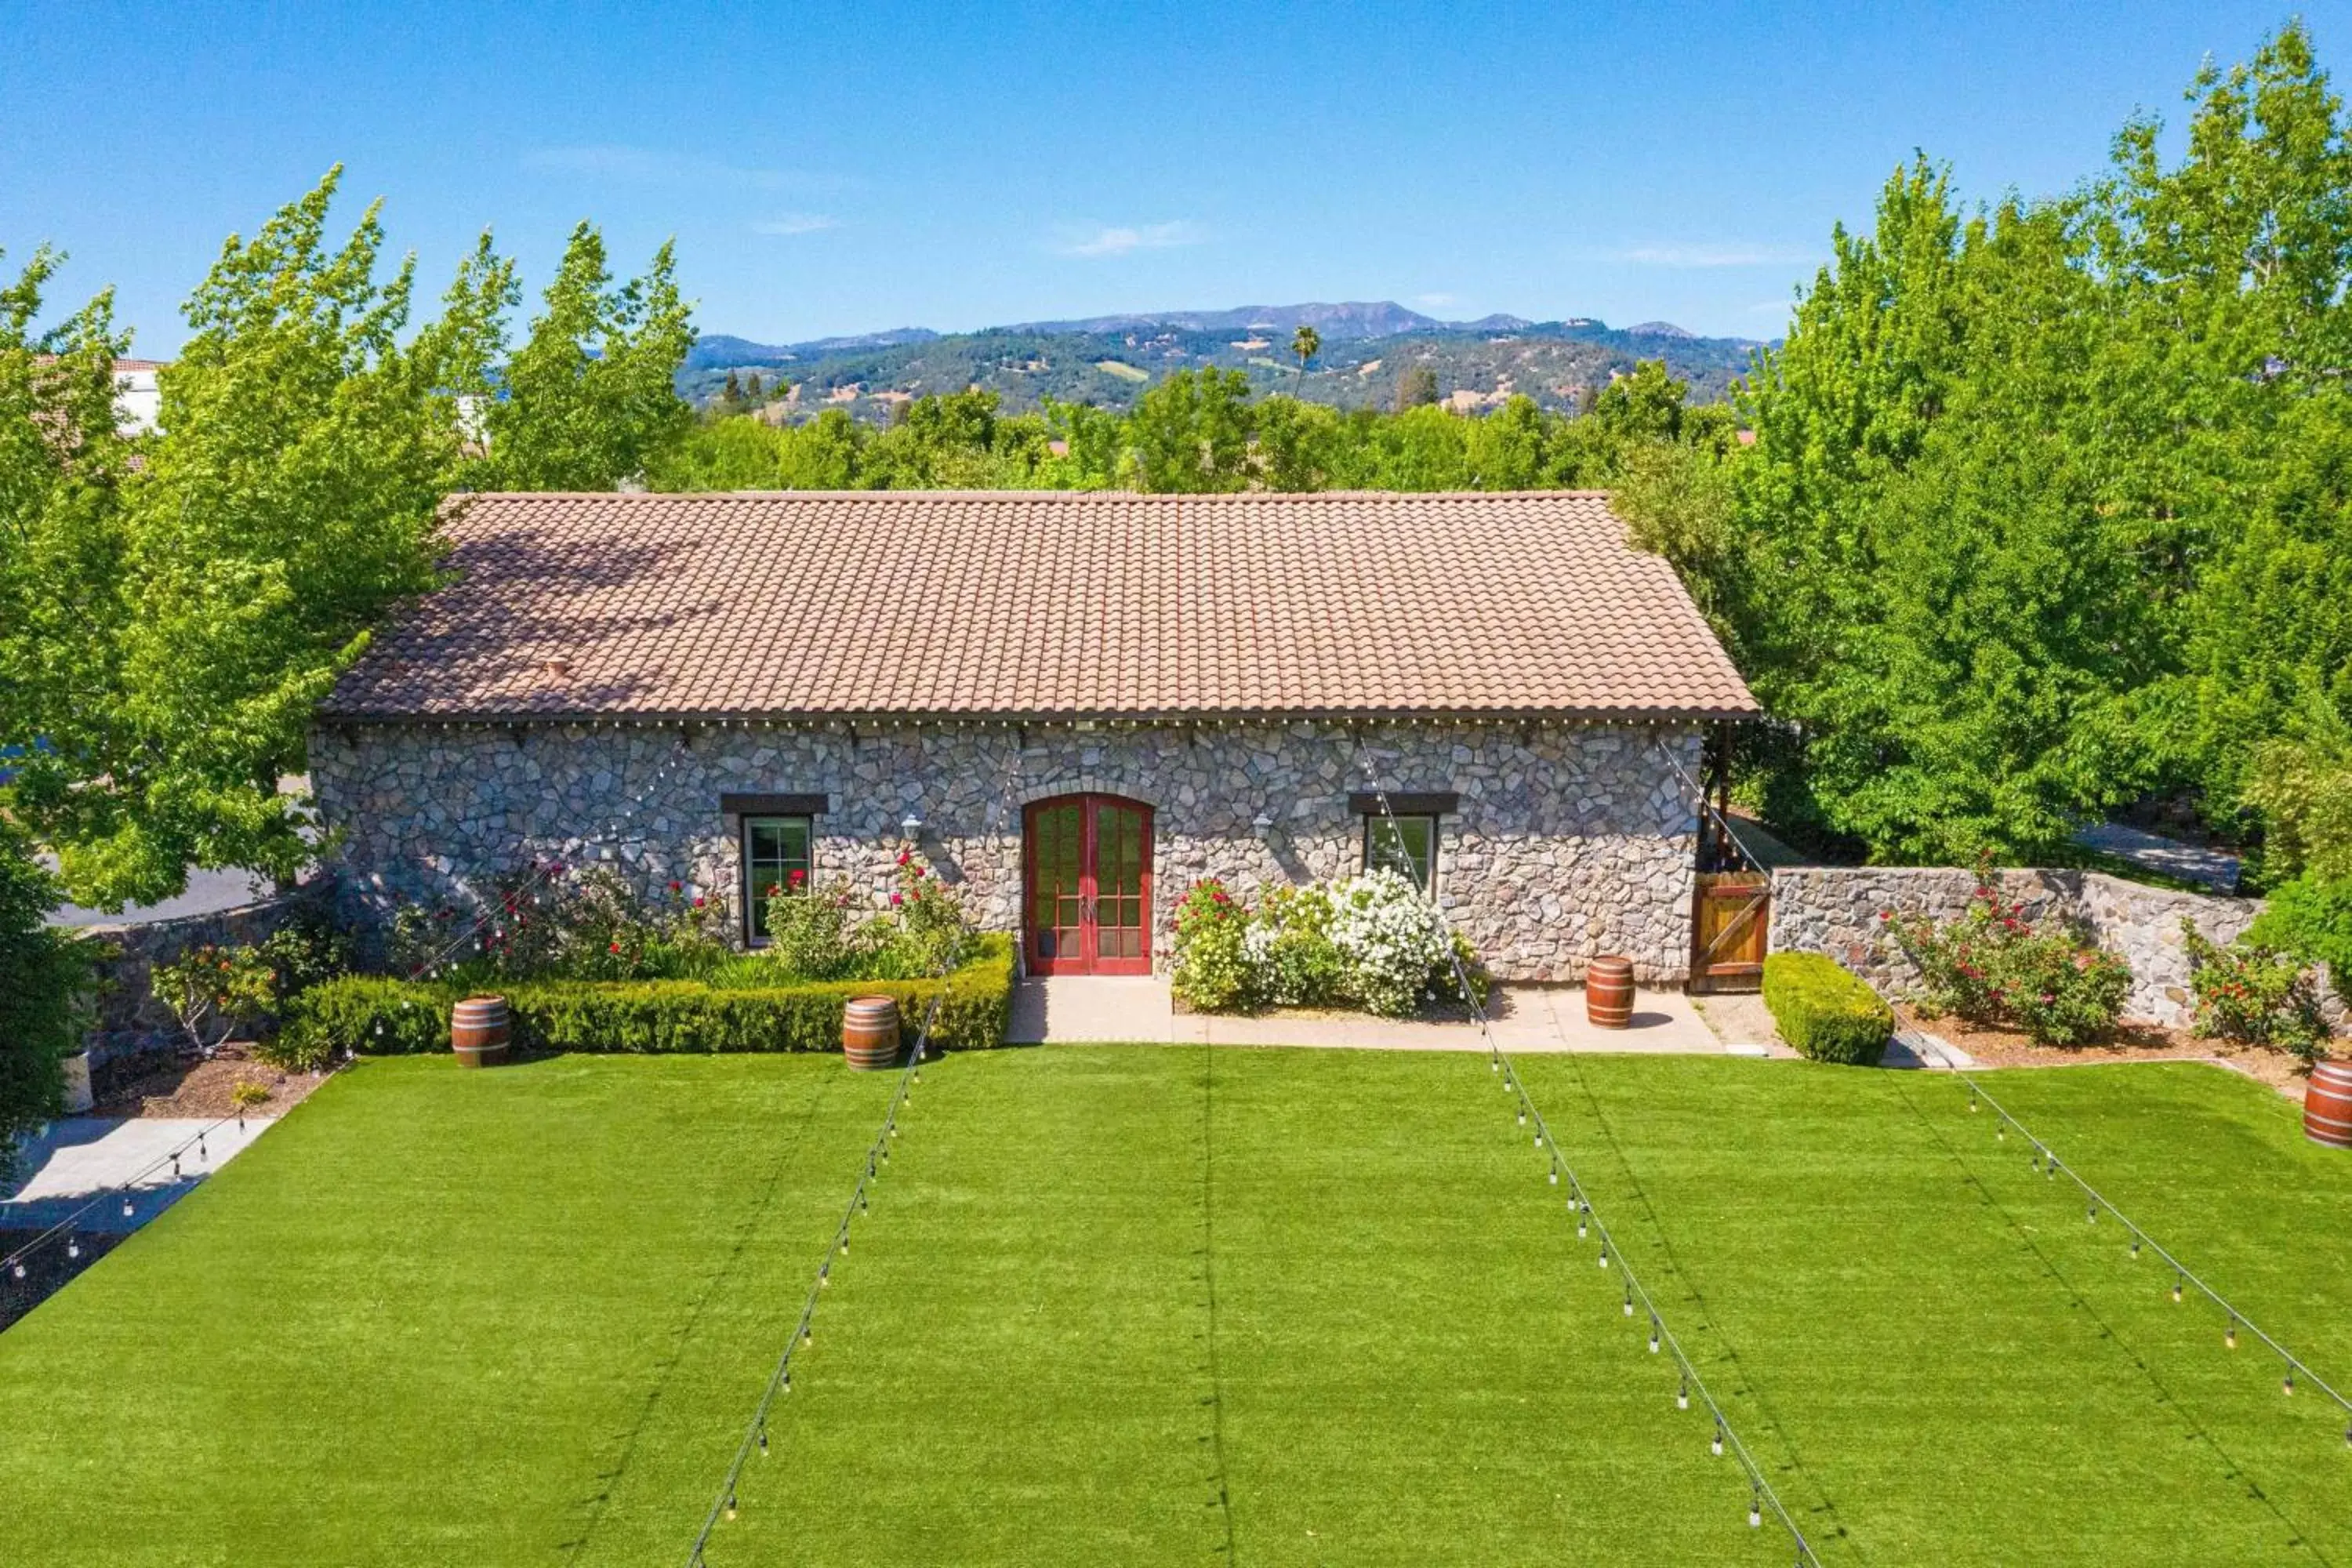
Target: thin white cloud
1708, 255
645, 165
1123, 240
796, 223
1432, 299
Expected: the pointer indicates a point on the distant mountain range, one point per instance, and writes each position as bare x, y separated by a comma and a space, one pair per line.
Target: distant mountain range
1110, 360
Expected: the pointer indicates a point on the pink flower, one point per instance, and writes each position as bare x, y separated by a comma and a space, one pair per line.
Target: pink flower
615, 947
897, 898
697, 900
798, 876
674, 887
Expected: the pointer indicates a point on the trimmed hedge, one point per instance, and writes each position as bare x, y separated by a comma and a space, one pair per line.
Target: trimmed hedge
1826, 1011
376, 1015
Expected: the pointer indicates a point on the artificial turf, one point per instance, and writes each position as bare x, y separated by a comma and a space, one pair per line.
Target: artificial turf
1176, 1304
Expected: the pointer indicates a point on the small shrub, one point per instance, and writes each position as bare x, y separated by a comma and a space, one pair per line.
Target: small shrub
308, 949
1293, 961
1212, 971
248, 1093
2311, 917
1394, 943
809, 934
1993, 965
1825, 1010
212, 990
2253, 993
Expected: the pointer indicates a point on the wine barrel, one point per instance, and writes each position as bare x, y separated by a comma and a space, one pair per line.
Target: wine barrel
1609, 992
477, 1031
2327, 1105
869, 1032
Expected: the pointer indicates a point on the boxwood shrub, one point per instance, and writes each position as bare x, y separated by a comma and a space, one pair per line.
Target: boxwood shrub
1826, 1011
376, 1015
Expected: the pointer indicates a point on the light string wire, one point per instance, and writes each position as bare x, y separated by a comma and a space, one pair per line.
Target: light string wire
878, 1154
1761, 1493
1706, 808
2183, 1275
72, 1222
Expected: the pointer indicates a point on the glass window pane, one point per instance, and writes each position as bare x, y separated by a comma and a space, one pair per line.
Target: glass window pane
1403, 843
775, 858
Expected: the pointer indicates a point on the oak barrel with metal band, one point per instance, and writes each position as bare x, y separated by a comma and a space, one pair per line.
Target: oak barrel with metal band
869, 1032
2327, 1105
1609, 992
477, 1031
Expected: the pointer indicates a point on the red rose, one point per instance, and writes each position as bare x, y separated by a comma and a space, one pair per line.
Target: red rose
897, 898
798, 876
674, 887
774, 889
616, 947
697, 900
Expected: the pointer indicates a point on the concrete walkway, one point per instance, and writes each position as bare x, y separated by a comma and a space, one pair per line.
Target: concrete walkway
1529, 1018
85, 1157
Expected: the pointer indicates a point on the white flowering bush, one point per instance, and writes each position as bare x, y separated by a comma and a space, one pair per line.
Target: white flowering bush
1372, 942
1391, 939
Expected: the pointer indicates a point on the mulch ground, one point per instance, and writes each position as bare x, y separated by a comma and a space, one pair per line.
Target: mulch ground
192, 1087
2132, 1043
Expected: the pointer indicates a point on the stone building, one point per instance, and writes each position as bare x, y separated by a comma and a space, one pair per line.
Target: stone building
1076, 705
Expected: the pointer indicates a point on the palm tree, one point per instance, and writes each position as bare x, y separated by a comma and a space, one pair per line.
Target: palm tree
1305, 342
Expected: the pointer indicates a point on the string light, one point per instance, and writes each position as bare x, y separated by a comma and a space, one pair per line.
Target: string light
2094, 1201
1755, 1509
1588, 1222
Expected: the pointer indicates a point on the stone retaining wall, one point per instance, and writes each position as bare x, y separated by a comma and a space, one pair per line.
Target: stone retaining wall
1569, 840
130, 1020
1836, 910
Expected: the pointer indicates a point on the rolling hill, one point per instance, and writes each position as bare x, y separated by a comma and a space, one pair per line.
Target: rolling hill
1109, 360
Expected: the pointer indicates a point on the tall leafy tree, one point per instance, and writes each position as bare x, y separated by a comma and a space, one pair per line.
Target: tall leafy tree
289, 495
589, 400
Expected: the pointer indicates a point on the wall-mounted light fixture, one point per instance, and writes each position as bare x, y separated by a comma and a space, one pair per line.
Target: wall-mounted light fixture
911, 824
1263, 822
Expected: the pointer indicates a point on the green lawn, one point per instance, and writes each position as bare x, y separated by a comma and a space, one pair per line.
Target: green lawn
1137, 1304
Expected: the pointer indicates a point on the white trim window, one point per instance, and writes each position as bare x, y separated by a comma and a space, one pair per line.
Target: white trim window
777, 858
1415, 857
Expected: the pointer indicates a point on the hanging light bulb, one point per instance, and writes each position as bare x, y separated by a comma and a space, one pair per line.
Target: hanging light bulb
17, 1268
1629, 1298
2229, 1335
73, 1247
1604, 1255
1583, 1219
1523, 1113
1717, 1445
2135, 1248
2000, 1133
2052, 1172
1555, 1175
764, 1442
2091, 1215
1972, 1099
201, 1151
1538, 1137
730, 1502
2286, 1385
1682, 1395
1755, 1508
2176, 1288
1654, 1333
126, 1208
2036, 1161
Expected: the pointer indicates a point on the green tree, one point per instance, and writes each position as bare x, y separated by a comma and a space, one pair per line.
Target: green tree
290, 496
45, 975
1416, 387
1191, 433
588, 401
1305, 342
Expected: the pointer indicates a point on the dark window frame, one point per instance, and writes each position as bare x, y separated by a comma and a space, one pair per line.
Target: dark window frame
754, 895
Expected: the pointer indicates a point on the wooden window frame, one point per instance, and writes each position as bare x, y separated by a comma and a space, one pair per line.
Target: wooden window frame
752, 896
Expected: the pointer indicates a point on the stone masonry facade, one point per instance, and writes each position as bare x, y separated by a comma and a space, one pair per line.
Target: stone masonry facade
1569, 841
1836, 910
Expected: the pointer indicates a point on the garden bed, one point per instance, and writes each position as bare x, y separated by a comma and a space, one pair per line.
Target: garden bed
182, 1086
2128, 1043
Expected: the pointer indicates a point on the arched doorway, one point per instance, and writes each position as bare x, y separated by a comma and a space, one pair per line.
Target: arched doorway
1087, 886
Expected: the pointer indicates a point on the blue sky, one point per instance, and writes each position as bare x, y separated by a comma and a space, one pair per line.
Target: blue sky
841, 168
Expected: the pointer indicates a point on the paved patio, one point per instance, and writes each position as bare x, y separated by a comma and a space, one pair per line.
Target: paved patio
80, 1158
1527, 1018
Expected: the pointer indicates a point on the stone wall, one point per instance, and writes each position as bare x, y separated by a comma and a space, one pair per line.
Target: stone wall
130, 1020
1569, 841
1836, 910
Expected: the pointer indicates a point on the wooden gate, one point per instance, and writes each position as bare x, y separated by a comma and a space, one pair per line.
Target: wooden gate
1730, 915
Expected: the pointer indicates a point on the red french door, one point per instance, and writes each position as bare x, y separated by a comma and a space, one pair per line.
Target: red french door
1087, 886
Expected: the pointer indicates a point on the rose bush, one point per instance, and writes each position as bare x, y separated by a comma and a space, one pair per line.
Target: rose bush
1994, 965
2254, 994
1373, 942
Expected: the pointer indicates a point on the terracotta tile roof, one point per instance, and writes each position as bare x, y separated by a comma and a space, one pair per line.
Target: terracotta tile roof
1045, 603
